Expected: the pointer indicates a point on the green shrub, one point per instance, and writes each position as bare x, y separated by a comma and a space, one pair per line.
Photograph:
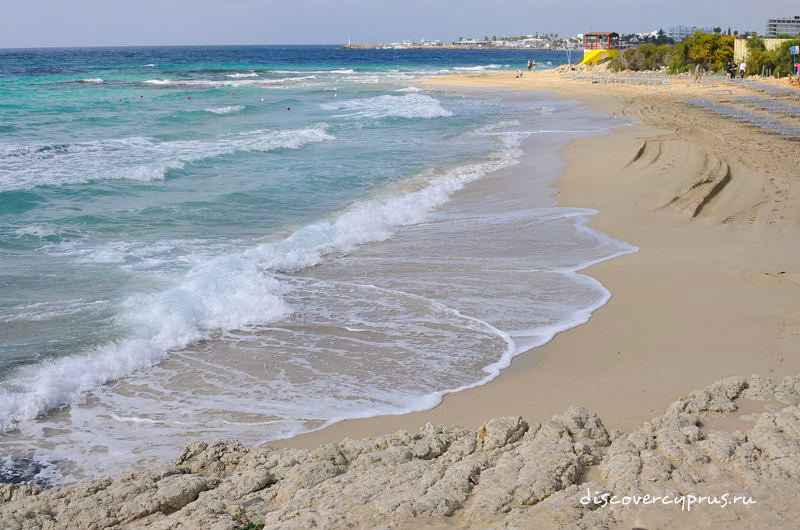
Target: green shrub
777, 61
756, 43
712, 51
645, 57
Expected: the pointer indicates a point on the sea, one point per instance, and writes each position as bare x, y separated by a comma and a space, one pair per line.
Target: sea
254, 242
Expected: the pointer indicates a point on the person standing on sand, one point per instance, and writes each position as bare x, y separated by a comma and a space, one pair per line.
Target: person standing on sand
697, 73
742, 69
530, 65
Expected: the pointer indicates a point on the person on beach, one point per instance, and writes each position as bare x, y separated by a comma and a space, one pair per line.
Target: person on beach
742, 69
530, 65
697, 73
518, 74
732, 69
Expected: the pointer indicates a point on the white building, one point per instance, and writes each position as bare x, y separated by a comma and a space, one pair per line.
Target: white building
780, 26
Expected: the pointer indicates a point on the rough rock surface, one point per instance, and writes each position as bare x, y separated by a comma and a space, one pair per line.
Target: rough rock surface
508, 474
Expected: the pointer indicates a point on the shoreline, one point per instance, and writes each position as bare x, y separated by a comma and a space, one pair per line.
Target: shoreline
711, 295
632, 362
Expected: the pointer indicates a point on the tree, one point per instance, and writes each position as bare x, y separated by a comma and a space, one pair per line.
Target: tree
494, 37
712, 51
486, 37
778, 62
717, 30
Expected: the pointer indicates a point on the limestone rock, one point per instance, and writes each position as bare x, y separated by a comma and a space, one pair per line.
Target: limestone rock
507, 474
788, 391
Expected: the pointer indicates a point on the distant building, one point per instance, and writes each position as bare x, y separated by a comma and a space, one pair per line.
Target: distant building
680, 33
779, 26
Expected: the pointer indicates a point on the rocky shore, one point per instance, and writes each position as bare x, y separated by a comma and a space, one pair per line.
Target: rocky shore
736, 440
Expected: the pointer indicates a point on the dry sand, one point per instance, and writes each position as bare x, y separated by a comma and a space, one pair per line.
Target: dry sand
714, 291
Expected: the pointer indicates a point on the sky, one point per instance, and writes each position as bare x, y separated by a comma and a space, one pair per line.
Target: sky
53, 23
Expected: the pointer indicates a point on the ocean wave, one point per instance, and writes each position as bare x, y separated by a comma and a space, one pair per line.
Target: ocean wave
409, 89
240, 75
225, 110
37, 231
93, 80
215, 83
226, 293
408, 106
335, 71
479, 68
134, 158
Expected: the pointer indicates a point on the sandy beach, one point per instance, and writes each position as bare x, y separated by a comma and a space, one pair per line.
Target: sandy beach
684, 384
713, 291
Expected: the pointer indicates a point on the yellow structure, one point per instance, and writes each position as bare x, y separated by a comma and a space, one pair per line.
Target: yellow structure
597, 46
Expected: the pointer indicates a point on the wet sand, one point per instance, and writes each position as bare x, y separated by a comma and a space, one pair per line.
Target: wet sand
714, 290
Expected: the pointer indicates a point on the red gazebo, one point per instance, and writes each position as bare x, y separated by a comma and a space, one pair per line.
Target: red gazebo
601, 40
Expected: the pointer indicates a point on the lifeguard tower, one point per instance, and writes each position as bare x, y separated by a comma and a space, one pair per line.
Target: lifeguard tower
599, 45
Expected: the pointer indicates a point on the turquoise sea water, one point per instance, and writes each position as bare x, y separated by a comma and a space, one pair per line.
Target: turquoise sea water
155, 201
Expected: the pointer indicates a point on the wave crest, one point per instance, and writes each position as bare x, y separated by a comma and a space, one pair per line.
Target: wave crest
134, 158
408, 106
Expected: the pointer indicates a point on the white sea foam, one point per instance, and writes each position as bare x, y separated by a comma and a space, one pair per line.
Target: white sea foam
408, 106
214, 83
225, 110
40, 311
226, 293
37, 231
229, 292
93, 80
479, 68
239, 75
134, 158
336, 71
409, 89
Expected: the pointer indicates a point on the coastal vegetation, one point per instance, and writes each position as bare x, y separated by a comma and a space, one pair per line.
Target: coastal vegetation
777, 62
644, 57
712, 51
